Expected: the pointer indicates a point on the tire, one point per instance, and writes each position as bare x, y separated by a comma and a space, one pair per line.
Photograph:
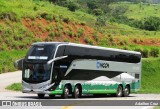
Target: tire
51, 96
119, 91
41, 96
77, 92
126, 91
66, 92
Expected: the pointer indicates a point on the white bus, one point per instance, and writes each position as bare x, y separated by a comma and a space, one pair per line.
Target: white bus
61, 68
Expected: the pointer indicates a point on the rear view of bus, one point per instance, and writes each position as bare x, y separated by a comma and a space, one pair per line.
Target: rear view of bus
69, 69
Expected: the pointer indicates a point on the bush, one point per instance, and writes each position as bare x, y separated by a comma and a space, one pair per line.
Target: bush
88, 41
101, 21
66, 20
70, 33
51, 34
56, 19
97, 12
80, 32
154, 52
66, 40
151, 24
92, 5
49, 17
58, 33
72, 6
145, 53
125, 48
95, 36
103, 42
44, 15
9, 15
83, 23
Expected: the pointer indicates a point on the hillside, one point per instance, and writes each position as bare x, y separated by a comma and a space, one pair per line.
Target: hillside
24, 22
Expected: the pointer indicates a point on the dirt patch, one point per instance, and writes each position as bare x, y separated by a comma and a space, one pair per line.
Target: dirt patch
146, 41
62, 31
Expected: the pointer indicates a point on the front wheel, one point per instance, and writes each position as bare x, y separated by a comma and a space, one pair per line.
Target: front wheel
65, 92
77, 92
41, 96
119, 91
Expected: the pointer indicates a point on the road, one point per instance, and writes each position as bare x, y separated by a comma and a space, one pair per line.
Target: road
9, 78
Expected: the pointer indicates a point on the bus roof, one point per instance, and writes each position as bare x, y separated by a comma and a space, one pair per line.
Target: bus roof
87, 46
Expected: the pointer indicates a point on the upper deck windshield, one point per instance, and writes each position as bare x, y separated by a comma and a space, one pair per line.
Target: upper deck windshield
40, 53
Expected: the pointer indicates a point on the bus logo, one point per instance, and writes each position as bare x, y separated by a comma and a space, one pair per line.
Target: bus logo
102, 65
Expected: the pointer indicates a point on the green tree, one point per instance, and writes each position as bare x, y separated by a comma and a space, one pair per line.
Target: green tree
72, 6
92, 4
101, 21
97, 12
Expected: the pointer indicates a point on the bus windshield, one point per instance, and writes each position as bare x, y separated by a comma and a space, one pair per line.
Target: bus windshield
39, 53
36, 73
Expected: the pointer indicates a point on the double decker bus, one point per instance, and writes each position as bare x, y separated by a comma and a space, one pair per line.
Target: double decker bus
62, 68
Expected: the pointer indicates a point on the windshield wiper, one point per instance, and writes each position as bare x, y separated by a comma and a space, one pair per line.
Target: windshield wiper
55, 59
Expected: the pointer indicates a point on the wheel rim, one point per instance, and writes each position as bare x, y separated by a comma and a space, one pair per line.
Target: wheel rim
119, 91
126, 91
77, 91
66, 91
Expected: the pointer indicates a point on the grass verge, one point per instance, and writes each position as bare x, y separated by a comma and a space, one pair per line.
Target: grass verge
150, 76
157, 107
14, 87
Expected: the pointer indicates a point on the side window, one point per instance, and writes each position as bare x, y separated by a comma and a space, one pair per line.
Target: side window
71, 50
67, 50
60, 51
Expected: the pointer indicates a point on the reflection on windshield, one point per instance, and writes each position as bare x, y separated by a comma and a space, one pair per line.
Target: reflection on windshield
36, 73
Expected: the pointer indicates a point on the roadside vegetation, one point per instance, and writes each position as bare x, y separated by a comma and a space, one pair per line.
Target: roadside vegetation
157, 107
150, 76
15, 87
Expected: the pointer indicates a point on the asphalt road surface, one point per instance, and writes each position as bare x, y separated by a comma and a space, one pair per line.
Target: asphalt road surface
9, 78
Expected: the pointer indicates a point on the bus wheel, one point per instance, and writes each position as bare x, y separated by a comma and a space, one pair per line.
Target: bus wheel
41, 96
51, 96
66, 92
119, 91
77, 92
126, 91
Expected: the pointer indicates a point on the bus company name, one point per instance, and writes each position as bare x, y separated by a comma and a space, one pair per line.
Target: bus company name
102, 65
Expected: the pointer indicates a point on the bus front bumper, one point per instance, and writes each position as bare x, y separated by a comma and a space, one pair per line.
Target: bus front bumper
35, 91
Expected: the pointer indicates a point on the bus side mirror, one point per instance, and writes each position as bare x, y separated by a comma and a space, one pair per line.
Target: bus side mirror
18, 64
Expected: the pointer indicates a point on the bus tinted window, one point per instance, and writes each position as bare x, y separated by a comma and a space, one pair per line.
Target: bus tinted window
40, 53
93, 53
60, 51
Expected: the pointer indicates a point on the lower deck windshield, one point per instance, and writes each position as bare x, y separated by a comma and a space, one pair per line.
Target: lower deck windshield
36, 73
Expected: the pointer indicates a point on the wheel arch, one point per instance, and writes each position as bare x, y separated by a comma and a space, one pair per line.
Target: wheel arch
80, 86
121, 86
128, 85
69, 86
